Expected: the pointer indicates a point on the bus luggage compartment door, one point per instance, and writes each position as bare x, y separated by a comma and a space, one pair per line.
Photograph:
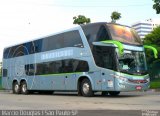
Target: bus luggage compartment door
108, 80
70, 82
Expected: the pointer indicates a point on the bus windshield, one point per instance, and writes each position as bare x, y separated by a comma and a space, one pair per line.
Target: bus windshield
132, 62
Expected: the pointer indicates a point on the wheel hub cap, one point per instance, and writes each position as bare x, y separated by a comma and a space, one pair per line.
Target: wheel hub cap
85, 88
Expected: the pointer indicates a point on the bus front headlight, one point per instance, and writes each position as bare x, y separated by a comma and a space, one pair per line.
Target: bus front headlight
148, 79
122, 79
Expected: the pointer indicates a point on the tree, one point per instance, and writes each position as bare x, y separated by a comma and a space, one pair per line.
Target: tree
0, 69
156, 6
153, 64
153, 38
115, 16
81, 19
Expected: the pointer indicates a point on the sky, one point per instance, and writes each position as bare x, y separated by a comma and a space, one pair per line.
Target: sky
24, 20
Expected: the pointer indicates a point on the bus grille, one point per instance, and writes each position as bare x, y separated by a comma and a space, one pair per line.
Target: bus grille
137, 81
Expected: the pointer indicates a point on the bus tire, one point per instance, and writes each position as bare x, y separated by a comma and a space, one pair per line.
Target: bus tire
114, 93
24, 89
16, 88
86, 88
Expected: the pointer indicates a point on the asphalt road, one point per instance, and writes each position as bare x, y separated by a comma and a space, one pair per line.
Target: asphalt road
127, 103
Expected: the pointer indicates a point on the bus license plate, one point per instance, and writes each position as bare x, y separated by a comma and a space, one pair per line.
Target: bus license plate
138, 87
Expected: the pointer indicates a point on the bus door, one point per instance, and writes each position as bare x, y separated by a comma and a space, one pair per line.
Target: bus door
69, 74
70, 80
105, 58
57, 80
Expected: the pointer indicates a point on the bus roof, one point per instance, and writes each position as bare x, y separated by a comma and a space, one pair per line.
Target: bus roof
77, 27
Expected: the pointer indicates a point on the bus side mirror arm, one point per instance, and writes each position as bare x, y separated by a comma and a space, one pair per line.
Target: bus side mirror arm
153, 49
116, 43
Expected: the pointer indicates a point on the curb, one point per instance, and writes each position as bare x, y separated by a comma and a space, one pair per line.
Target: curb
3, 90
154, 90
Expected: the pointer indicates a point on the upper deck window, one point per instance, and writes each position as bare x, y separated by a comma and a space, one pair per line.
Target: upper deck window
62, 40
67, 39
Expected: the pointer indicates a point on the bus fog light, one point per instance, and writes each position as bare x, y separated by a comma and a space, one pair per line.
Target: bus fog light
123, 79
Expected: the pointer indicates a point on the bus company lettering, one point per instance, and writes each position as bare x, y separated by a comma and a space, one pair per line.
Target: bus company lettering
58, 54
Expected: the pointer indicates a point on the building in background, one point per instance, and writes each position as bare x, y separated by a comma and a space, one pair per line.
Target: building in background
145, 27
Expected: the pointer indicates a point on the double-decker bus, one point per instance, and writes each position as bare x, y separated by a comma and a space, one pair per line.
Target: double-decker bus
98, 57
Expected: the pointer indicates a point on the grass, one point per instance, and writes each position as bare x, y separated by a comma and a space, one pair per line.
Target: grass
155, 84
1, 87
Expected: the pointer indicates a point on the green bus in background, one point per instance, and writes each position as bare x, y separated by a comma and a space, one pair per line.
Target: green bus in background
97, 57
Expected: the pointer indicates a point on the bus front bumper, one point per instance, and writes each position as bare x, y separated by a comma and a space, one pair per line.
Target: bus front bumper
127, 86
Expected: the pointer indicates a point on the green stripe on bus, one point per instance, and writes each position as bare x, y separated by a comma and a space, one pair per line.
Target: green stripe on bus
60, 74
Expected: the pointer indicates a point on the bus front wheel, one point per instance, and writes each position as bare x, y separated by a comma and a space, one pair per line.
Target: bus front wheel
16, 88
24, 88
86, 88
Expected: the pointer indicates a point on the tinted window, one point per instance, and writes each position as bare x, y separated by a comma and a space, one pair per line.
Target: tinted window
11, 52
29, 48
67, 39
72, 39
5, 72
53, 42
38, 45
67, 66
95, 32
6, 52
80, 66
55, 67
17, 51
104, 57
30, 69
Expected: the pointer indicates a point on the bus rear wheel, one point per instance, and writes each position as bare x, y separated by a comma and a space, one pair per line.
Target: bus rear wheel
86, 88
16, 88
114, 93
24, 89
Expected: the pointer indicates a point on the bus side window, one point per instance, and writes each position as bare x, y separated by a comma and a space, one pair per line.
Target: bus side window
30, 69
82, 66
6, 53
38, 45
28, 48
102, 34
72, 39
67, 66
5, 73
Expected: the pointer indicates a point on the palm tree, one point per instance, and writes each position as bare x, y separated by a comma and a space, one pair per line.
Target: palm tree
115, 16
81, 19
